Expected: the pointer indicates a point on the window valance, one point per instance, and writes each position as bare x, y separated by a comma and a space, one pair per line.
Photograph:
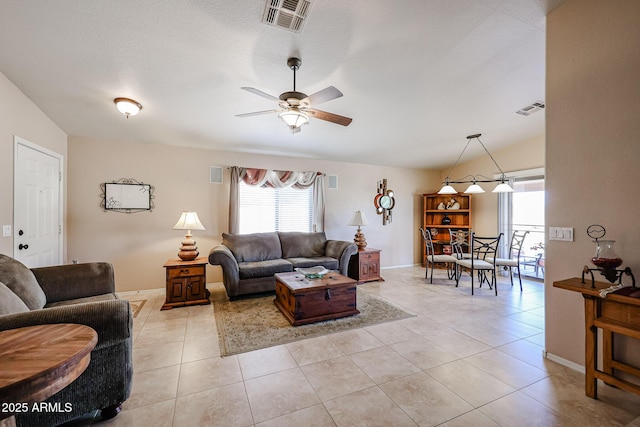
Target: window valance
276, 179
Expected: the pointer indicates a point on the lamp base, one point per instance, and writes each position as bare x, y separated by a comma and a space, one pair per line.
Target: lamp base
360, 240
188, 250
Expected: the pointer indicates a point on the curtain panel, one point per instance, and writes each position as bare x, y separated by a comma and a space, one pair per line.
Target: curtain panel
275, 179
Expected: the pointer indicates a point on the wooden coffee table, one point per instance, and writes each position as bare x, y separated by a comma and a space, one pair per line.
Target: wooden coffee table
38, 361
303, 300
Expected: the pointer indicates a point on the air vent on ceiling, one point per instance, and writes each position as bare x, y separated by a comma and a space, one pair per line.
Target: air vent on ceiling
530, 109
286, 14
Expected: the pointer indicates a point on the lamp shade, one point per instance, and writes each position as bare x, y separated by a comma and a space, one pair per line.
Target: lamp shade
359, 219
447, 189
474, 189
188, 221
503, 187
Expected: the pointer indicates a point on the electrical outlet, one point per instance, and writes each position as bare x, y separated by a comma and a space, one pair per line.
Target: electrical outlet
6, 231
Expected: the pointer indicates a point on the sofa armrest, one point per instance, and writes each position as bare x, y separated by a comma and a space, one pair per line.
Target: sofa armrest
112, 320
72, 281
222, 256
342, 251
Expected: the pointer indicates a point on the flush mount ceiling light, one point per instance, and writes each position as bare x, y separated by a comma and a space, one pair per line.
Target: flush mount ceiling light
473, 180
127, 106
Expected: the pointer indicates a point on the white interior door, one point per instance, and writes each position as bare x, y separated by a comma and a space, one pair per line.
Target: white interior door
37, 205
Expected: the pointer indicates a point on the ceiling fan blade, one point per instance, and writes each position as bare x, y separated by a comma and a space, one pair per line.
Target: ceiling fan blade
326, 94
330, 117
258, 113
260, 93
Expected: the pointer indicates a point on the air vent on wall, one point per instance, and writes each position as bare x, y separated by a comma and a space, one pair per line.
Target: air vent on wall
530, 109
286, 14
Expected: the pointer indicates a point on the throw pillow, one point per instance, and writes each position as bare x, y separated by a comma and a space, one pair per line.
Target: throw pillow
9, 302
17, 277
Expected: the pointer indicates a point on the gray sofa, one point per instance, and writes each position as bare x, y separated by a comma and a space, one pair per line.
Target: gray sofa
249, 261
83, 294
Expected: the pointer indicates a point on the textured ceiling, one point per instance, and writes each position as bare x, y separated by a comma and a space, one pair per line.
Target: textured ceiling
418, 76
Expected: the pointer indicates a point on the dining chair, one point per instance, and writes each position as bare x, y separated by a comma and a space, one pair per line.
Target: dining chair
432, 258
460, 243
482, 248
515, 250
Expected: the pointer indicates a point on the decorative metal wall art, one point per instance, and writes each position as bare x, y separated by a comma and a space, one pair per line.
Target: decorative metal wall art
127, 195
384, 202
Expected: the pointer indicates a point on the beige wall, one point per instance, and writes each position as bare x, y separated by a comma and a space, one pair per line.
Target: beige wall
521, 156
592, 156
139, 243
21, 117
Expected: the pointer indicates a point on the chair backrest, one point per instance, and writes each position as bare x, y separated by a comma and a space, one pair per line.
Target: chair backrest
517, 239
484, 247
460, 242
428, 243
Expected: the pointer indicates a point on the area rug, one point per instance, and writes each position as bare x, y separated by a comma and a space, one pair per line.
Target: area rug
136, 306
252, 324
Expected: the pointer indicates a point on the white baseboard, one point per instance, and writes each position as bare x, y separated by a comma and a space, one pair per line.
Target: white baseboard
563, 361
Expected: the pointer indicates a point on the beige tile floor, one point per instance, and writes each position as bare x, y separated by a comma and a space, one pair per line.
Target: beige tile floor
461, 361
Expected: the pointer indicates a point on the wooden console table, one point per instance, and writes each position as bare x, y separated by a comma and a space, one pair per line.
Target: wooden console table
38, 361
614, 313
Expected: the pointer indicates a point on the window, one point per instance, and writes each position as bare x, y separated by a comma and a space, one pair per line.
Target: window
275, 209
523, 210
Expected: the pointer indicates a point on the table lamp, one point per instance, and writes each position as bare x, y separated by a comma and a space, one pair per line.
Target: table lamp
359, 219
188, 221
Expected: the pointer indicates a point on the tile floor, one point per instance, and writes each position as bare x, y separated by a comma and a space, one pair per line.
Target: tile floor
461, 361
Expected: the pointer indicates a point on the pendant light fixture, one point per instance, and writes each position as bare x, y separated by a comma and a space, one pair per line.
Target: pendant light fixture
473, 180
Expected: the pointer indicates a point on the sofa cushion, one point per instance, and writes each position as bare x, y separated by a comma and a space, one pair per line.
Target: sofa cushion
103, 297
9, 302
307, 245
325, 261
251, 270
253, 247
22, 282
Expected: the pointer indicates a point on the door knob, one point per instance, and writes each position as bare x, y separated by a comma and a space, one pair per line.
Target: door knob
21, 246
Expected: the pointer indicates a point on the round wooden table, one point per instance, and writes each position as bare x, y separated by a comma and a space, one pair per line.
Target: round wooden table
38, 361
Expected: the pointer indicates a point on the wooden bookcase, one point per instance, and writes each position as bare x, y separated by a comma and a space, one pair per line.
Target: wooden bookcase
432, 218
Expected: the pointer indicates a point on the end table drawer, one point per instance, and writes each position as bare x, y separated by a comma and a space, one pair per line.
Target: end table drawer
185, 272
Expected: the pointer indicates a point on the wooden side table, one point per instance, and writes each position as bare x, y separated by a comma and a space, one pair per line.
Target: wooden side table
364, 266
186, 283
38, 361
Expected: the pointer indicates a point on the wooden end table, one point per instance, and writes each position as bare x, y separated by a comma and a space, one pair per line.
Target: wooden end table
186, 283
303, 300
364, 266
38, 361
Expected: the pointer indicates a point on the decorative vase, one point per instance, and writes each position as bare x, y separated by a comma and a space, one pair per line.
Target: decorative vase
446, 220
606, 259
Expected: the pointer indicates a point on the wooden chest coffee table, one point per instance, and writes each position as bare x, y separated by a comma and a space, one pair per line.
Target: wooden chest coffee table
303, 300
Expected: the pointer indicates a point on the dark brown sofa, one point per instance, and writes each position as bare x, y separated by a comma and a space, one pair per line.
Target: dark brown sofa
83, 294
249, 261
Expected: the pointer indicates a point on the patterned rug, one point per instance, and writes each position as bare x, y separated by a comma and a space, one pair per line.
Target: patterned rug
252, 324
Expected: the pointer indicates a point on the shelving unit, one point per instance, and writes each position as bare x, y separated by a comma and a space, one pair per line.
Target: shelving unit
432, 218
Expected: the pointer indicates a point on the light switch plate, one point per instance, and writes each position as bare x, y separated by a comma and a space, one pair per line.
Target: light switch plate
6, 231
564, 234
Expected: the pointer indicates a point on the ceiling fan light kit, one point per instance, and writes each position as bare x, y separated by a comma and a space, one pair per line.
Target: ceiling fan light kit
473, 180
296, 107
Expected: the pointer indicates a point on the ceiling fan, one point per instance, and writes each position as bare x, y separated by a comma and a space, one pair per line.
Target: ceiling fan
296, 107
